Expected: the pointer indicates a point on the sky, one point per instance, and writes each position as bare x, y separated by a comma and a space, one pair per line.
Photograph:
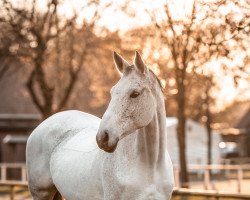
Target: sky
114, 19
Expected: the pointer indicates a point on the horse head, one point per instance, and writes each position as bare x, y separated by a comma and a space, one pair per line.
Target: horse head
132, 105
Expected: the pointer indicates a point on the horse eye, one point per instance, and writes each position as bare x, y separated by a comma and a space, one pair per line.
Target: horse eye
134, 94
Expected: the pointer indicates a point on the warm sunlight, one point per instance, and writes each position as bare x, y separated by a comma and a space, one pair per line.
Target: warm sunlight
120, 99
122, 16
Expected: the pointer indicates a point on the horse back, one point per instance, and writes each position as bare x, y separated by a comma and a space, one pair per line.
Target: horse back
60, 126
49, 136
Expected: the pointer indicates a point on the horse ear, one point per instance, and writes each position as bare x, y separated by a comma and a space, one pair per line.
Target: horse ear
139, 64
120, 62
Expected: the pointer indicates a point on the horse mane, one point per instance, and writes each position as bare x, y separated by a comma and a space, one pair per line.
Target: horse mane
158, 80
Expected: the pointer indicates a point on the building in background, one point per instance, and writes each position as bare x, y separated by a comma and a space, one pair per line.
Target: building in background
243, 126
14, 131
196, 143
236, 140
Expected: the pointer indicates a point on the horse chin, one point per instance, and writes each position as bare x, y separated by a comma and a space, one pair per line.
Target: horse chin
109, 149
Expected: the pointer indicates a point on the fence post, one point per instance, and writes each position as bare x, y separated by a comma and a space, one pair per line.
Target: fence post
240, 177
206, 179
12, 192
226, 167
177, 177
3, 172
23, 173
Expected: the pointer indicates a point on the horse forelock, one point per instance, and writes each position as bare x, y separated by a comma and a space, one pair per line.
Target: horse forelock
130, 68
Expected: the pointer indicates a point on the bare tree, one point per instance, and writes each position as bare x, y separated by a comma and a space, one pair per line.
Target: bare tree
8, 59
41, 41
192, 43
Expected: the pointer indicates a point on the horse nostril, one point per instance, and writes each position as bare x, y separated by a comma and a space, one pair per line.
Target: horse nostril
106, 141
105, 137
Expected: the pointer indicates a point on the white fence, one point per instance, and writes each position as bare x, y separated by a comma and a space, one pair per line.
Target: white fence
207, 170
202, 171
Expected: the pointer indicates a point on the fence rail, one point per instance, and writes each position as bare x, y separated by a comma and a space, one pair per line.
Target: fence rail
207, 193
204, 170
207, 170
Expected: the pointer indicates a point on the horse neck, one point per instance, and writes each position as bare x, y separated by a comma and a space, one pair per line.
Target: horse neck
151, 138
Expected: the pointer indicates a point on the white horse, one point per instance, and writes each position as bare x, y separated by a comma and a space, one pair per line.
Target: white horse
63, 157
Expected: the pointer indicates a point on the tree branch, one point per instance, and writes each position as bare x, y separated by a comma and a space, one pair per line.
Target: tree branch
3, 70
30, 84
173, 43
73, 78
189, 31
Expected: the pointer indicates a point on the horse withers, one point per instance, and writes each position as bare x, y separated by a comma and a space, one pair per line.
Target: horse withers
131, 163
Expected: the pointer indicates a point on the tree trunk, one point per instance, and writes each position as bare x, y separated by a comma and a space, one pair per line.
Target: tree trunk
209, 130
209, 144
44, 91
182, 153
47, 112
181, 134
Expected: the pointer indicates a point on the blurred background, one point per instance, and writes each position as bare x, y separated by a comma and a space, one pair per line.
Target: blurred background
56, 55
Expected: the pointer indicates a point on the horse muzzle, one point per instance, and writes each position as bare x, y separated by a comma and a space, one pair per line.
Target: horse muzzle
106, 141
